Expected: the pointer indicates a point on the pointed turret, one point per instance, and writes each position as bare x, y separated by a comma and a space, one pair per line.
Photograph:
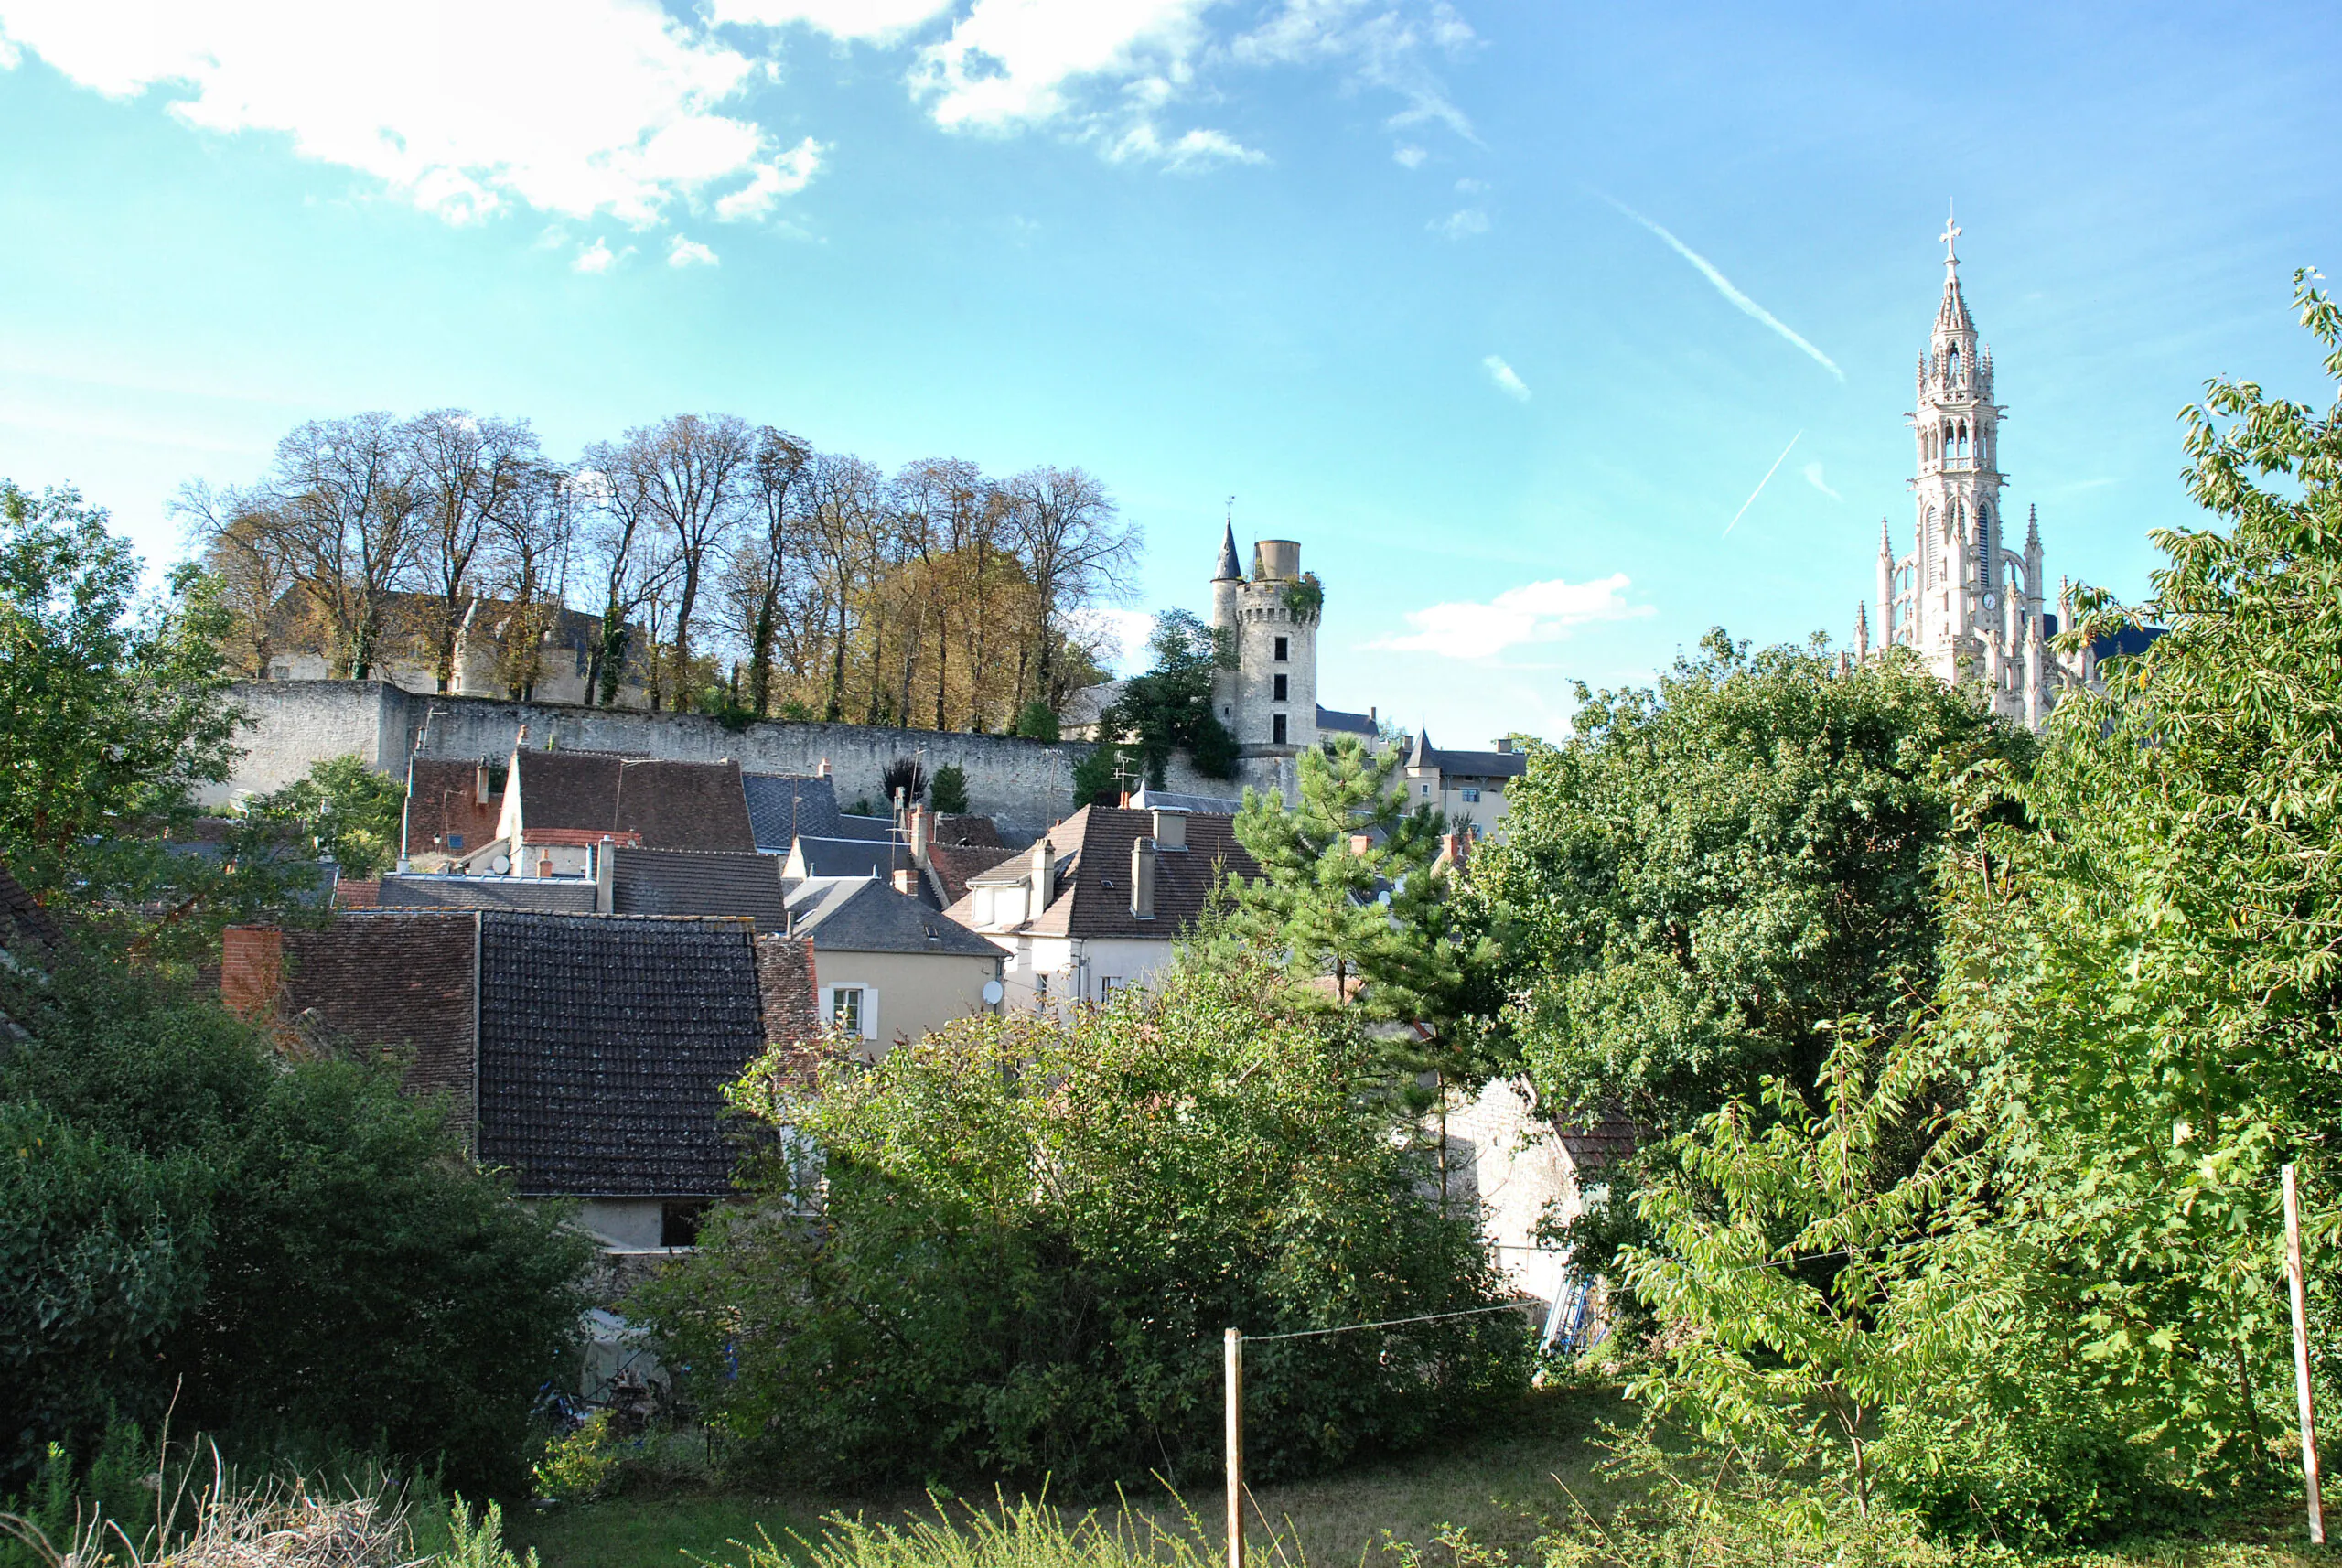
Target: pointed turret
1861, 629
1951, 315
1230, 569
1885, 585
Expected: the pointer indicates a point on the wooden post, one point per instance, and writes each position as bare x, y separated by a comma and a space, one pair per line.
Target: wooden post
1236, 1449
2301, 1359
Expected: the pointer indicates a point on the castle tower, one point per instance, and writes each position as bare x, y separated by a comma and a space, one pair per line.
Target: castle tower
1964, 602
1269, 701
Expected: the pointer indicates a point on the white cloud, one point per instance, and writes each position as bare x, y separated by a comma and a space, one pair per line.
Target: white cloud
1813, 477
1470, 187
689, 253
594, 260
1532, 613
1406, 155
849, 21
576, 107
1129, 631
1377, 46
1507, 378
1011, 63
784, 176
1460, 225
1194, 151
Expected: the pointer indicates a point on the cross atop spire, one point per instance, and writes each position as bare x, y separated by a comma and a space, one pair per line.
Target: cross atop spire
1950, 238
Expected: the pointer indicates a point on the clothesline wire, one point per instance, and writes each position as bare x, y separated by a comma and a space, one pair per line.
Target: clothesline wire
1397, 1321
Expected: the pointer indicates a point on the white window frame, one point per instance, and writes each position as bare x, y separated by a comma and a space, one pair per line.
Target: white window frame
866, 1008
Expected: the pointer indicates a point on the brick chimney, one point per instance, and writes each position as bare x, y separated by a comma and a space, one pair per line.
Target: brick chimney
252, 969
1142, 878
907, 882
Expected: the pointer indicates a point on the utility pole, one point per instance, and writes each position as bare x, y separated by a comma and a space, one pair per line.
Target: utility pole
2301, 1357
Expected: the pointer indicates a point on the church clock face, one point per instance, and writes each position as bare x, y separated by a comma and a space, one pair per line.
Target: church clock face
1991, 603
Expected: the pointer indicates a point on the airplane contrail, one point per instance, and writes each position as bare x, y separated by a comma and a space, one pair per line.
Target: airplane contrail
1761, 484
1725, 287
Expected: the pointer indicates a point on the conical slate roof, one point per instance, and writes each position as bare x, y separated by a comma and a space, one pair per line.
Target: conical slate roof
1229, 569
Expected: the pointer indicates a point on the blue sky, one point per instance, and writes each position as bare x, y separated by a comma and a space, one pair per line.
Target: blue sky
1390, 272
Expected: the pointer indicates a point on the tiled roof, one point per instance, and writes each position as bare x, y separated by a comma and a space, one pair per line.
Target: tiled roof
1094, 859
22, 922
870, 829
1346, 724
1596, 1139
784, 805
581, 838
953, 863
349, 894
604, 1047
681, 882
673, 805
443, 801
399, 979
844, 857
544, 893
981, 832
852, 914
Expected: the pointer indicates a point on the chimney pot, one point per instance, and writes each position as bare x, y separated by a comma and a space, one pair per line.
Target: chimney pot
1142, 878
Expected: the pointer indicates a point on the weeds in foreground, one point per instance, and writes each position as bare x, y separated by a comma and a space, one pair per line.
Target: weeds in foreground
1029, 1532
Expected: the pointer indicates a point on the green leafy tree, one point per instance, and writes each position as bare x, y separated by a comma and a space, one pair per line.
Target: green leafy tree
117, 709
1011, 1249
345, 808
1037, 721
948, 793
1712, 877
1168, 709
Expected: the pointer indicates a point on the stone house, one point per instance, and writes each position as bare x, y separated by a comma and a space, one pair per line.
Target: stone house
543, 651
1100, 901
1468, 787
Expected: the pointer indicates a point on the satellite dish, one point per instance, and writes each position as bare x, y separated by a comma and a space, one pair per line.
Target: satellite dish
992, 993
501, 865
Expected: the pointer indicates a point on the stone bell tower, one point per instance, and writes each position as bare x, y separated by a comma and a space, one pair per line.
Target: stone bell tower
1964, 602
1269, 701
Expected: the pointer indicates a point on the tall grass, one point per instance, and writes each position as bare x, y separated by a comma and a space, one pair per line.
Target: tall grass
1028, 1532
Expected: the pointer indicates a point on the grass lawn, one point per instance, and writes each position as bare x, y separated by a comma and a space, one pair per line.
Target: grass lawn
1501, 1485
1505, 1485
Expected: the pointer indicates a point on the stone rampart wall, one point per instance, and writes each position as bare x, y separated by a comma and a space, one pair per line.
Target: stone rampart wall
1025, 785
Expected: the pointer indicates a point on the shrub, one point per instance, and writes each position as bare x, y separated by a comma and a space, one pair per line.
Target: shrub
303, 1252
948, 792
579, 1464
1025, 1237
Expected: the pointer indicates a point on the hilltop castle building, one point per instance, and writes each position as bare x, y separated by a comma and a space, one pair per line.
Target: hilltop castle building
1969, 605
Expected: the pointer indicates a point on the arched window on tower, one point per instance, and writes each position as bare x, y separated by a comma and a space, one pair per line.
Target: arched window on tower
1951, 363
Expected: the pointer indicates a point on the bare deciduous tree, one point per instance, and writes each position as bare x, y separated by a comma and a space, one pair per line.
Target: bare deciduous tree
693, 470
340, 498
467, 472
1079, 552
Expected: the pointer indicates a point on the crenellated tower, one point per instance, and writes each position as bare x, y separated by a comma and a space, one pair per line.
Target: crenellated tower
1269, 701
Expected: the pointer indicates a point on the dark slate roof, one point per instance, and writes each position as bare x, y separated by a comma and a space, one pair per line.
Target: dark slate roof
407, 890
673, 805
844, 857
871, 830
1467, 764
443, 799
1093, 872
2128, 642
684, 882
1346, 724
1210, 805
605, 1043
1229, 568
853, 913
784, 805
